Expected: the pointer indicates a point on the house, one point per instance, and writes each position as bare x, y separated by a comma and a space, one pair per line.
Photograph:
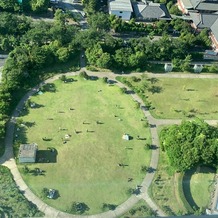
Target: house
121, 8
149, 11
214, 35
202, 20
204, 6
27, 153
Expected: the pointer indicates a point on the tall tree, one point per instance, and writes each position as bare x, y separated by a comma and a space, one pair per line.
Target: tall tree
191, 143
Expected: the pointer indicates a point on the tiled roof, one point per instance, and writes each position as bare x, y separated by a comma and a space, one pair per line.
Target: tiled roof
202, 20
214, 29
150, 10
120, 5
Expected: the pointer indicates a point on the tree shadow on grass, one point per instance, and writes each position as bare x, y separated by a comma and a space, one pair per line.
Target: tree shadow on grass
187, 187
46, 156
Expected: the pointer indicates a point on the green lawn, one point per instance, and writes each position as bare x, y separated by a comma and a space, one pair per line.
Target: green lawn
164, 189
186, 97
180, 98
86, 168
141, 209
12, 201
197, 186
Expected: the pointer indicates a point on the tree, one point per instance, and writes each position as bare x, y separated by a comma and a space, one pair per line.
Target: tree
79, 207
189, 144
84, 75
185, 65
39, 5
9, 5
63, 54
99, 21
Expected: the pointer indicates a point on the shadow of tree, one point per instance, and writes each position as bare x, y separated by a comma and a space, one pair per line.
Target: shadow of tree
47, 156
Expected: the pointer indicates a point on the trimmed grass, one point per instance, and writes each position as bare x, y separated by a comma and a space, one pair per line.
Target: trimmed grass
164, 189
179, 97
86, 168
12, 201
197, 186
141, 209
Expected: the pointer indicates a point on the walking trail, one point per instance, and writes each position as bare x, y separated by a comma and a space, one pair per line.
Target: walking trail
8, 158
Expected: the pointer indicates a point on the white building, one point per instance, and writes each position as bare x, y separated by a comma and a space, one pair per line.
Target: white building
27, 153
121, 8
168, 67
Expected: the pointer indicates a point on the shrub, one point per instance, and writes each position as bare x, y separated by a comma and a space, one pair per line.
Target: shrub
123, 90
63, 78
84, 75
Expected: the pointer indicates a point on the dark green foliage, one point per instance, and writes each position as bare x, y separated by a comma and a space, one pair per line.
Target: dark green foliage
144, 169
123, 90
12, 201
84, 75
191, 143
79, 207
63, 78
104, 79
45, 192
99, 21
109, 206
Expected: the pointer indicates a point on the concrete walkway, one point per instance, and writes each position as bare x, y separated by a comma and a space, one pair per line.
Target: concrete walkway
8, 159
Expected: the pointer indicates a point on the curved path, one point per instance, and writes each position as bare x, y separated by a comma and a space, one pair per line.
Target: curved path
8, 159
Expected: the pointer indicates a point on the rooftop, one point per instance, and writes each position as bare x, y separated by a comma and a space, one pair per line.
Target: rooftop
150, 10
202, 20
120, 5
27, 150
214, 29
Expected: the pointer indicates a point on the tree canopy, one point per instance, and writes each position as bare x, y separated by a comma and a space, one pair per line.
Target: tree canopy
189, 144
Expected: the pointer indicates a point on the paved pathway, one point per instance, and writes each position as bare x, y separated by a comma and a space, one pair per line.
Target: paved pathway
8, 159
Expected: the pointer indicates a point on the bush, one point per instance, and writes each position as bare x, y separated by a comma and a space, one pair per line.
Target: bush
104, 79
123, 90
84, 75
63, 78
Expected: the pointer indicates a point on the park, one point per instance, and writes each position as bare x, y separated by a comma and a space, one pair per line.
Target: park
84, 121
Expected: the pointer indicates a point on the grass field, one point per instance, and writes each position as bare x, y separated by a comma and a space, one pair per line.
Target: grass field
141, 209
180, 98
197, 186
86, 166
164, 189
186, 97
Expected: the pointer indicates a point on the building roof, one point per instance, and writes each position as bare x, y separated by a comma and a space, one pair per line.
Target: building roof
202, 20
214, 29
150, 10
27, 150
120, 5
187, 4
204, 5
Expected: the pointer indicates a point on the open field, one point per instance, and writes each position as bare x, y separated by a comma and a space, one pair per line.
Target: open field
85, 168
197, 185
179, 98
